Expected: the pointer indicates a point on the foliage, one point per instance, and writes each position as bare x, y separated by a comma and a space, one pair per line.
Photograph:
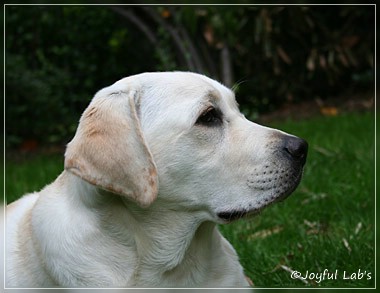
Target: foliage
55, 62
57, 57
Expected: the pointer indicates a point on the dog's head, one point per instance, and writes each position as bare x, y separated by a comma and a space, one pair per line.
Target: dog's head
181, 136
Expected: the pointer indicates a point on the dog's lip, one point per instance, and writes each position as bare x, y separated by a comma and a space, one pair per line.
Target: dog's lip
232, 215
235, 214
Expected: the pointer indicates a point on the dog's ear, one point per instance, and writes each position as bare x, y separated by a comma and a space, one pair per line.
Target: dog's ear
109, 149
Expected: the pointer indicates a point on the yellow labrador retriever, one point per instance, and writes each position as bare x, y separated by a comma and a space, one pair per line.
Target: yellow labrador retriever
157, 161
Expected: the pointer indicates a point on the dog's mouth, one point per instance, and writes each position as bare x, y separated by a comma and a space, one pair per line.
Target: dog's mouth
247, 212
230, 216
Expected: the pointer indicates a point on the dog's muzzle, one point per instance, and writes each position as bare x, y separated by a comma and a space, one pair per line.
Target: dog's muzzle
276, 180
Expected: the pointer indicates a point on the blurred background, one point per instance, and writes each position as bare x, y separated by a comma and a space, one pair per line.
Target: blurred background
274, 57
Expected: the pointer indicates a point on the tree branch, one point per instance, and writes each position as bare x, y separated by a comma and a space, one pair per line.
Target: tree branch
227, 71
137, 21
199, 66
177, 39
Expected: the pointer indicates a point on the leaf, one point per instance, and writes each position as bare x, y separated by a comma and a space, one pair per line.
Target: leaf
295, 276
265, 233
358, 228
208, 34
283, 55
329, 111
322, 61
165, 13
350, 41
310, 63
346, 244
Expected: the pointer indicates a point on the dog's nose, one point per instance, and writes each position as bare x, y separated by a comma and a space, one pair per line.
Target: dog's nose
296, 148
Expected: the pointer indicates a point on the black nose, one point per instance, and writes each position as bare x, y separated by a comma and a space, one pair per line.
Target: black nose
296, 148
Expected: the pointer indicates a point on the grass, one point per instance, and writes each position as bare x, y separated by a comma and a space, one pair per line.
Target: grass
30, 173
327, 224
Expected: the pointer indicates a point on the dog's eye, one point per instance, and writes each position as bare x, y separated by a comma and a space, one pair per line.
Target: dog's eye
211, 117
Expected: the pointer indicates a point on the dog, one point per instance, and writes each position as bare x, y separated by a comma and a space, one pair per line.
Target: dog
157, 161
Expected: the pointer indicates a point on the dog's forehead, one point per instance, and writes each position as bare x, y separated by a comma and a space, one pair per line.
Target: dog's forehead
186, 88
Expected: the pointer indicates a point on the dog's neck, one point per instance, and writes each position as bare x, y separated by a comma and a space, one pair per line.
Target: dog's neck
167, 234
168, 240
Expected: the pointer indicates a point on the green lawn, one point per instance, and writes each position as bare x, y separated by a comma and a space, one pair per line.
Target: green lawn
326, 225
328, 222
